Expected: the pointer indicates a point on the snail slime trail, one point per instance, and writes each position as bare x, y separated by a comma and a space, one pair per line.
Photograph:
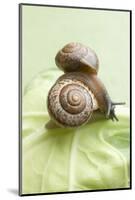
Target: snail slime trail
78, 92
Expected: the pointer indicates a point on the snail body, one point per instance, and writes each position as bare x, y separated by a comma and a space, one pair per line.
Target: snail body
79, 92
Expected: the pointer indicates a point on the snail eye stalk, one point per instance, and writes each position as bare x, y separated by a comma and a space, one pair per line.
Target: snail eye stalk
112, 114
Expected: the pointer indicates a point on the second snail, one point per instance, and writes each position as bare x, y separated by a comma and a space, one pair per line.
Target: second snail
78, 93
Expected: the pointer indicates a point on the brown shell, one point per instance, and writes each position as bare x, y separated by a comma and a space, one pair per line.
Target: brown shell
70, 102
77, 57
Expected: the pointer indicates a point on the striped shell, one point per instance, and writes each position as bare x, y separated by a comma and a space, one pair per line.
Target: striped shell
76, 57
70, 102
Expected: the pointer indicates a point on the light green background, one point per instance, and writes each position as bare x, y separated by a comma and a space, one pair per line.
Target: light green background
47, 29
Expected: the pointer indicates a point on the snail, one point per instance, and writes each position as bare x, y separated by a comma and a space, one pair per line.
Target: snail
75, 56
78, 92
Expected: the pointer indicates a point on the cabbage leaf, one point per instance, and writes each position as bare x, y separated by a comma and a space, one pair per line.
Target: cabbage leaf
92, 157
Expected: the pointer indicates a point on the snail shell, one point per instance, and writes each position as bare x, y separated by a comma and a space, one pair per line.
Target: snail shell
70, 102
77, 57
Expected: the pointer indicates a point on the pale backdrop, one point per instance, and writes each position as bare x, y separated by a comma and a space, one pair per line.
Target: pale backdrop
47, 29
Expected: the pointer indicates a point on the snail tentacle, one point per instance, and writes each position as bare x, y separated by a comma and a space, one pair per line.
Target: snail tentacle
111, 110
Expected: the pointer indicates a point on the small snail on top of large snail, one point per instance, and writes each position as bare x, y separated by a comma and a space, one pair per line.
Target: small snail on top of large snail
78, 92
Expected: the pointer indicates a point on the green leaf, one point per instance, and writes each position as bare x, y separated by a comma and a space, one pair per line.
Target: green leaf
94, 156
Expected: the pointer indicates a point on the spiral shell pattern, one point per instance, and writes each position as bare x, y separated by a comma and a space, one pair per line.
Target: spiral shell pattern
70, 56
70, 102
